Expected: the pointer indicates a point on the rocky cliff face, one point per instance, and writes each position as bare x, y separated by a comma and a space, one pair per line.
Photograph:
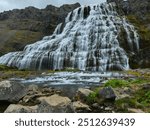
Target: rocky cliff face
25, 26
138, 13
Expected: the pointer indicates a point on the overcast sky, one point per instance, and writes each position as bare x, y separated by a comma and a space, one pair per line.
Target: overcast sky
11, 4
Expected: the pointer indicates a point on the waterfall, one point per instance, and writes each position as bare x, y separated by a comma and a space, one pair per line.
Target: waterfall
88, 40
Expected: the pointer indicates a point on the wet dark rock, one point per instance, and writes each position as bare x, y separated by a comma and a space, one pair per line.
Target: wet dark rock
107, 94
12, 91
3, 106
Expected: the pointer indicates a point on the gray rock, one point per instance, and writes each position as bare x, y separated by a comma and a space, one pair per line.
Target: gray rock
54, 104
107, 93
80, 107
11, 91
17, 108
51, 104
35, 92
83, 93
123, 93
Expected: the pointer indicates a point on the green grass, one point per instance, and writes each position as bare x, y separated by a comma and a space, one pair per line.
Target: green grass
116, 83
140, 100
122, 105
93, 97
12, 72
143, 97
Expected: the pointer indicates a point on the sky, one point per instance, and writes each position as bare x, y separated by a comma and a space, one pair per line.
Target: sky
19, 4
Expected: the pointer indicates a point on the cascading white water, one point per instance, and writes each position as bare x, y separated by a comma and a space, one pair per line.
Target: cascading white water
88, 40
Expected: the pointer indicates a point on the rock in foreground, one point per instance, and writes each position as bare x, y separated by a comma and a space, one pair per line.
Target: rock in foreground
11, 91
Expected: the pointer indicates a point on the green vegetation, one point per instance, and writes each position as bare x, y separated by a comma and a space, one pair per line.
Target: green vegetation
93, 97
123, 104
19, 38
3, 67
138, 98
10, 72
143, 97
15, 38
142, 28
116, 83
146, 74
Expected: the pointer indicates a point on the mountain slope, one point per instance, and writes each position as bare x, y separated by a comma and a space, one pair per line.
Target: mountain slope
20, 27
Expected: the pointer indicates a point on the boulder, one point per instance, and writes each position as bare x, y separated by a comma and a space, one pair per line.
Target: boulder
54, 104
17, 108
34, 92
107, 94
11, 91
80, 107
83, 93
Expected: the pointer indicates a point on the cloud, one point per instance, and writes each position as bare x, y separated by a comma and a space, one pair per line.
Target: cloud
12, 4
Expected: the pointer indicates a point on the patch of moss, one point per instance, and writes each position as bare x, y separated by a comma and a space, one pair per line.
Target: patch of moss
92, 98
143, 97
139, 81
145, 74
9, 72
122, 105
116, 83
3, 67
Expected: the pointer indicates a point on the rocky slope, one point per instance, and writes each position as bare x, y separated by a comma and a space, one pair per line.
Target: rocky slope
25, 26
138, 13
